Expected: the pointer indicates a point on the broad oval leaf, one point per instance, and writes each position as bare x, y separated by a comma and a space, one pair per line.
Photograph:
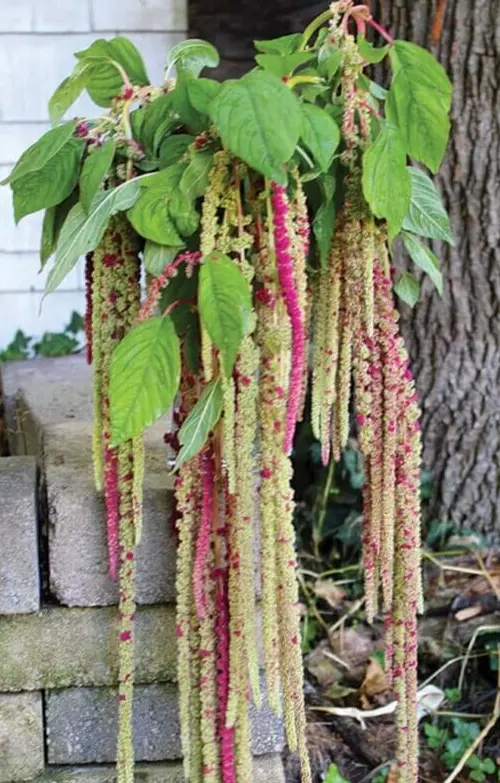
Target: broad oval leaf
283, 65
425, 259
386, 181
426, 217
49, 185
421, 67
259, 120
81, 232
156, 257
151, 219
144, 377
196, 177
201, 93
183, 212
195, 121
157, 119
370, 53
42, 151
53, 221
173, 148
224, 301
69, 90
320, 134
329, 59
194, 54
408, 289
95, 168
202, 419
286, 44
106, 81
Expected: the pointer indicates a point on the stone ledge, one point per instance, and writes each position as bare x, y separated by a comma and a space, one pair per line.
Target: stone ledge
81, 725
267, 769
19, 569
59, 648
21, 736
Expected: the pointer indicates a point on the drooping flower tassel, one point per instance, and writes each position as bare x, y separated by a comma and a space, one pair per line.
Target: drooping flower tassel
89, 275
285, 268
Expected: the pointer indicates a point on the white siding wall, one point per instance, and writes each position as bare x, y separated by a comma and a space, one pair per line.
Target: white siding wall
37, 42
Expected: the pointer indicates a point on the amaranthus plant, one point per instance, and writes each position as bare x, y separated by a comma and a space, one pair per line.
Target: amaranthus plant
263, 211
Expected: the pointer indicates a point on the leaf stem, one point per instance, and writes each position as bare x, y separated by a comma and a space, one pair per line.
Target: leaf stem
381, 30
293, 80
313, 26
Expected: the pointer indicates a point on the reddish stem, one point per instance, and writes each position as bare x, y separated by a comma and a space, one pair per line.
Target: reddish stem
381, 30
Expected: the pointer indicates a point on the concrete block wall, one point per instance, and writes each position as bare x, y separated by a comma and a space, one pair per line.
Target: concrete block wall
58, 614
37, 42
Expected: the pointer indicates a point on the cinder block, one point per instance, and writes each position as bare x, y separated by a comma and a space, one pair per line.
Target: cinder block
59, 648
42, 16
21, 736
140, 15
82, 726
266, 769
19, 569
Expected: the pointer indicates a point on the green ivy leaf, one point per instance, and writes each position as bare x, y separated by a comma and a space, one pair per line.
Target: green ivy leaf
49, 185
201, 93
283, 64
370, 53
201, 421
156, 257
173, 148
41, 152
144, 377
248, 113
69, 90
408, 289
53, 221
329, 59
224, 301
106, 81
94, 170
386, 180
193, 55
81, 232
418, 103
426, 217
150, 215
320, 134
195, 179
425, 259
286, 44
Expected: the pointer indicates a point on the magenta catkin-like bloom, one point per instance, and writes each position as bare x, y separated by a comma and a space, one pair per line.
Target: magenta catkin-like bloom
161, 282
284, 263
204, 533
89, 274
226, 735
112, 500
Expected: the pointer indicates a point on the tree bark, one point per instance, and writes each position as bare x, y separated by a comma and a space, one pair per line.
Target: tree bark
454, 341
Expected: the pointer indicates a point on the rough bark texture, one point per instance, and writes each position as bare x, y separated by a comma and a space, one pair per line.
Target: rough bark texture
454, 341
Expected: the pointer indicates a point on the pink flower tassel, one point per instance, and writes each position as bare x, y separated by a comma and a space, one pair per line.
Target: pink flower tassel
284, 261
89, 275
112, 499
226, 735
204, 533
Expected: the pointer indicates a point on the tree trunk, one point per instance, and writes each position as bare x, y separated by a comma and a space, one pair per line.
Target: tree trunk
454, 341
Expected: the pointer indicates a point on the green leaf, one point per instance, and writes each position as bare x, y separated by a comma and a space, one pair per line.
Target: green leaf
283, 64
94, 170
144, 377
157, 119
201, 93
418, 103
224, 301
194, 55
81, 232
41, 152
329, 59
248, 114
424, 258
386, 180
156, 257
426, 217
49, 185
196, 177
194, 120
286, 44
106, 81
183, 213
53, 221
320, 134
408, 289
150, 215
370, 53
69, 90
201, 421
333, 775
173, 148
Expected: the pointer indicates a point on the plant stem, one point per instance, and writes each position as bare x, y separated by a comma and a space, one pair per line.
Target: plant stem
323, 507
313, 26
381, 30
